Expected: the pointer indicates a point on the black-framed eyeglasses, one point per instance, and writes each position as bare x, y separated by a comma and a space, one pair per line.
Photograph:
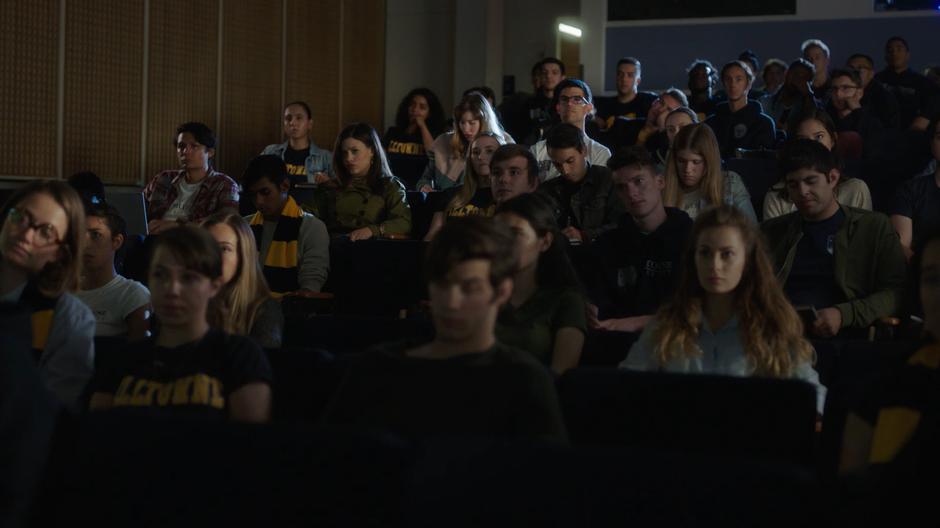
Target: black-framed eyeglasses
575, 100
46, 233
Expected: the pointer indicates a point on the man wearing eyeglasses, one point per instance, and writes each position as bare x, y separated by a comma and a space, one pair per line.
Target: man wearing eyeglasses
574, 105
848, 114
880, 102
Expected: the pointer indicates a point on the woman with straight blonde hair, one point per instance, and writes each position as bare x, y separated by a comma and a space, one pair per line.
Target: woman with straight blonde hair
244, 305
695, 179
447, 157
729, 315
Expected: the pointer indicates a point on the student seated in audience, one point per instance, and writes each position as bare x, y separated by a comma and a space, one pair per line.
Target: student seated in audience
419, 119
475, 196
884, 421
702, 80
845, 263
306, 162
193, 192
448, 155
638, 262
465, 381
817, 52
293, 246
541, 106
584, 192
121, 306
695, 179
795, 98
545, 315
513, 172
849, 191
909, 87
653, 135
676, 120
514, 109
773, 75
740, 123
244, 305
629, 103
729, 315
750, 58
575, 106
916, 207
848, 114
41, 242
188, 368
880, 102
369, 201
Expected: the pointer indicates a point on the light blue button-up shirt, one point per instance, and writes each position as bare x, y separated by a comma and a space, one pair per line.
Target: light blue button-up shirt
722, 353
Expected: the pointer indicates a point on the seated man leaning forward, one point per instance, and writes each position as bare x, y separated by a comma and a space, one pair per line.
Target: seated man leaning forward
845, 263
293, 245
478, 385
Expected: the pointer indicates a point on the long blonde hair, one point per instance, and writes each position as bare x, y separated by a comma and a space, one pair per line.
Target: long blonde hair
771, 330
476, 104
234, 309
471, 180
700, 140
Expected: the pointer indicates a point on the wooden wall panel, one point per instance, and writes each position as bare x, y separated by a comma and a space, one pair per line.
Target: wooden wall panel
103, 88
182, 79
364, 59
251, 81
28, 87
313, 63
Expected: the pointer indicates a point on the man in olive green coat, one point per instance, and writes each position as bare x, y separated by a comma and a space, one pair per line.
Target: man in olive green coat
843, 261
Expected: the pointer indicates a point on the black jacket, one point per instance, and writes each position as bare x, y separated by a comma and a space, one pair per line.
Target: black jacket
748, 128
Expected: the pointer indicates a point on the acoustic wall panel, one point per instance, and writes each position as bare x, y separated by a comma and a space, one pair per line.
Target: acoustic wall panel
364, 60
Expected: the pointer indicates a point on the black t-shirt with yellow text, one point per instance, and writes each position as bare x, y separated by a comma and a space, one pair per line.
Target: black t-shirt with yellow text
406, 155
296, 161
196, 378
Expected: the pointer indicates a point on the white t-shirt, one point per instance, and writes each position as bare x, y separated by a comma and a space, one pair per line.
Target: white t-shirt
113, 302
183, 203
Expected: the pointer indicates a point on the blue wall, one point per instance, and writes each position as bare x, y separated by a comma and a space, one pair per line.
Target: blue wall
665, 51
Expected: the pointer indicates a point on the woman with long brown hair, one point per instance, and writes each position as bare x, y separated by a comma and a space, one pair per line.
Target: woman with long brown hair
244, 306
472, 116
695, 179
729, 314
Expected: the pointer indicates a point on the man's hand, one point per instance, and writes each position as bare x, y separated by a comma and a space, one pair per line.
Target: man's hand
828, 322
363, 233
159, 225
320, 177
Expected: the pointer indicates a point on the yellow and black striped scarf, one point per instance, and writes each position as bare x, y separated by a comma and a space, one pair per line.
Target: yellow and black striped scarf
280, 264
43, 310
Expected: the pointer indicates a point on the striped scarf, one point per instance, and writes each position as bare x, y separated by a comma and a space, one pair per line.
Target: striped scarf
43, 310
280, 263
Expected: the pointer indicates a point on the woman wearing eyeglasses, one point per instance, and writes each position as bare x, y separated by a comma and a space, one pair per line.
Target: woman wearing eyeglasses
41, 244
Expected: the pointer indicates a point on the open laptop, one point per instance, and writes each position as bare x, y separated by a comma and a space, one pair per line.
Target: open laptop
130, 203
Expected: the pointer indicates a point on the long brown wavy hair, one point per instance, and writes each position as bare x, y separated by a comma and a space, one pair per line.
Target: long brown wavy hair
471, 180
770, 329
476, 104
699, 139
234, 309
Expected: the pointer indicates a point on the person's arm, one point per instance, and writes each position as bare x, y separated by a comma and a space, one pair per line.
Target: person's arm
567, 350
640, 356
904, 227
741, 198
624, 324
267, 330
68, 361
251, 403
426, 138
890, 271
775, 205
138, 323
856, 444
314, 265
766, 135
437, 222
398, 216
428, 177
228, 197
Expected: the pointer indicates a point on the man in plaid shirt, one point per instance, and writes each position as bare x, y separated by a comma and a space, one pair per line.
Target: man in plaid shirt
193, 192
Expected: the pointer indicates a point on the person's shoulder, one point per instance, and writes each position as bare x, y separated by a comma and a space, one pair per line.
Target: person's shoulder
273, 148
309, 221
73, 309
864, 217
217, 177
131, 287
779, 223
393, 185
503, 354
677, 218
647, 96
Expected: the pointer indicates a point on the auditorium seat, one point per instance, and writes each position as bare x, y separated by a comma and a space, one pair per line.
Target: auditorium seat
759, 174
756, 417
375, 277
422, 209
343, 334
304, 381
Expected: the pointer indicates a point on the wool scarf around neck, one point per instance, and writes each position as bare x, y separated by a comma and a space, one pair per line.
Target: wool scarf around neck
279, 265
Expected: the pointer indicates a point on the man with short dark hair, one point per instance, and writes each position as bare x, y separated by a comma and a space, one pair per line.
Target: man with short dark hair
540, 106
575, 105
911, 89
740, 123
817, 52
848, 114
629, 103
880, 102
194, 191
638, 262
293, 245
702, 80
584, 192
513, 171
845, 263
463, 381
121, 306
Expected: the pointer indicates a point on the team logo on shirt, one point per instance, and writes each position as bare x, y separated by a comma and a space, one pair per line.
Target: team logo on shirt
740, 130
412, 149
198, 389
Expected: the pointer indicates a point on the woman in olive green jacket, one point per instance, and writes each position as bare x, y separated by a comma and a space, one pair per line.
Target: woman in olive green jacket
368, 201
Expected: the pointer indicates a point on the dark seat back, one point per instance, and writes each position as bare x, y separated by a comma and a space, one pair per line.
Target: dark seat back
759, 174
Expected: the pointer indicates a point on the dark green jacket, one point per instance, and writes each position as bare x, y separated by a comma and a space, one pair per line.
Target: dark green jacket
355, 206
869, 265
595, 204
